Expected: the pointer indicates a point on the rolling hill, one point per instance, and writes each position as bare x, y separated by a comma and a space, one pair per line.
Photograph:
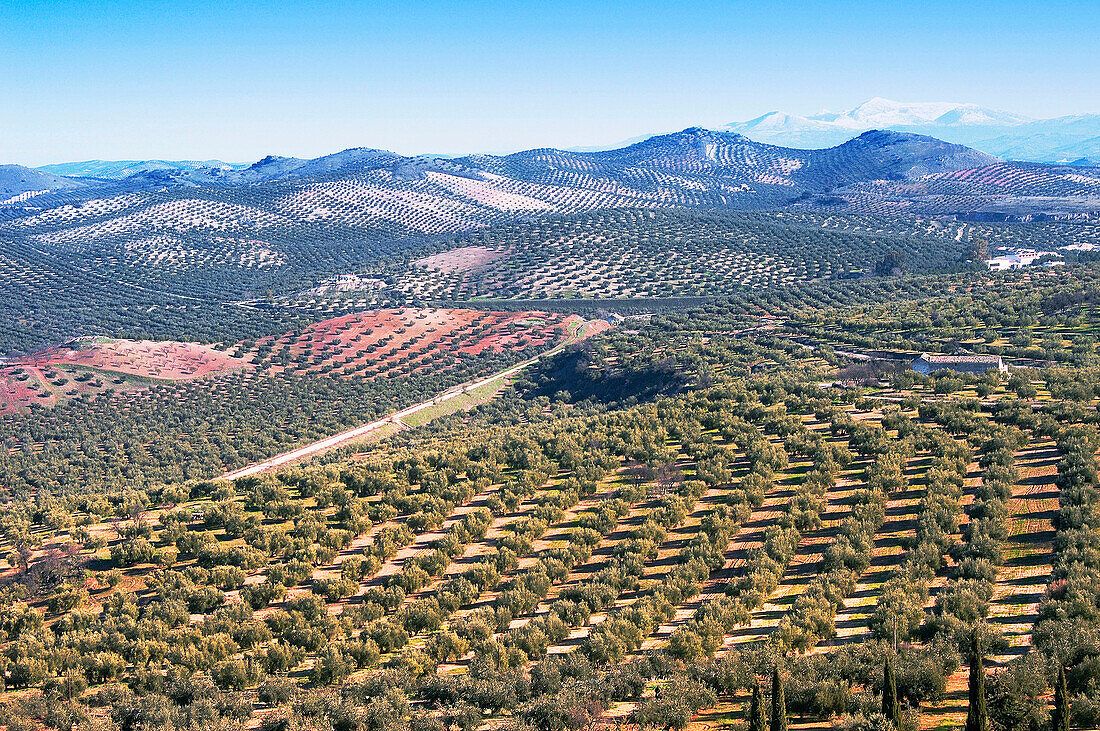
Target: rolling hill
376, 191
174, 252
16, 180
119, 169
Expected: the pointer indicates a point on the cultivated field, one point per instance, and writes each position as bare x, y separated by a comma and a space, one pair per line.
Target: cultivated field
624, 254
604, 555
405, 341
94, 366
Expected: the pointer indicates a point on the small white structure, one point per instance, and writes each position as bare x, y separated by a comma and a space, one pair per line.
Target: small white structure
977, 364
1020, 259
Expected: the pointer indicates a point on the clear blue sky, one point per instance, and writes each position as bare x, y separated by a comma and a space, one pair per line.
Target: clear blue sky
238, 79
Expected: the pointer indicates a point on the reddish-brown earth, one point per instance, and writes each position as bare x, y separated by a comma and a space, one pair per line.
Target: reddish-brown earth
88, 366
407, 340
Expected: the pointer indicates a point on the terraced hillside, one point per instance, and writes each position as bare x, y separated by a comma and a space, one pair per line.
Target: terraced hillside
640, 531
636, 533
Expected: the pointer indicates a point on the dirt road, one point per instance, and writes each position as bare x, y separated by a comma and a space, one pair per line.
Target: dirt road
338, 440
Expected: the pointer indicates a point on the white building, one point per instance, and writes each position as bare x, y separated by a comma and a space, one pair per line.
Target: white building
976, 364
1020, 259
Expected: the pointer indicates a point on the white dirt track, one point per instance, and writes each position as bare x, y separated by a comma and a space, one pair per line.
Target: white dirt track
343, 438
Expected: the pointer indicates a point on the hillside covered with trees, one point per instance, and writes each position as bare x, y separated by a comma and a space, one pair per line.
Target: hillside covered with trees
748, 512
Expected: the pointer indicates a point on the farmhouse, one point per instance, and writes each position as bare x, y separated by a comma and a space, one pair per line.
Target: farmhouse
978, 364
1023, 258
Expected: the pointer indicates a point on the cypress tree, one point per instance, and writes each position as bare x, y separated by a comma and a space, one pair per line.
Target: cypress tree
1060, 716
976, 718
889, 692
779, 703
757, 720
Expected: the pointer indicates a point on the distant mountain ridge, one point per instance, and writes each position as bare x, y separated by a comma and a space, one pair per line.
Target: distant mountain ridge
164, 240
387, 194
1003, 134
695, 151
727, 160
16, 179
119, 169
885, 114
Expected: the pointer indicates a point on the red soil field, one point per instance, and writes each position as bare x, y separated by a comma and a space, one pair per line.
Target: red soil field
54, 370
365, 344
407, 340
18, 392
165, 360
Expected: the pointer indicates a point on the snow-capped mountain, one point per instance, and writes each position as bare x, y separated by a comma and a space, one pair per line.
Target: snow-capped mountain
880, 113
1000, 133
